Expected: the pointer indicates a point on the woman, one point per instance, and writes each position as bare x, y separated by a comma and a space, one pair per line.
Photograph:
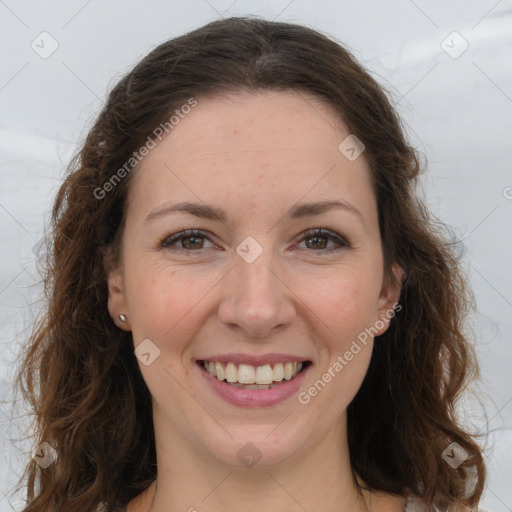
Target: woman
248, 307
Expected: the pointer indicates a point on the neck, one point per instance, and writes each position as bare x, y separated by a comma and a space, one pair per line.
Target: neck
316, 479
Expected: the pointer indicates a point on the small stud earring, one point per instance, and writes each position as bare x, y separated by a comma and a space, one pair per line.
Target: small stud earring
123, 318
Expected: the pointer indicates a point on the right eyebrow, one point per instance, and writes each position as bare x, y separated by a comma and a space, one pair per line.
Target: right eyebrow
202, 210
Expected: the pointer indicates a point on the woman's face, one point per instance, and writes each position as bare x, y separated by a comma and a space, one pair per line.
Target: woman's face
256, 287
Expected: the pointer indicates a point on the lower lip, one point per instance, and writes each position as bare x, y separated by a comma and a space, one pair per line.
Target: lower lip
254, 397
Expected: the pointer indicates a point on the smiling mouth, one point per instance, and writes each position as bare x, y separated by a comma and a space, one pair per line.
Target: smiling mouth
246, 376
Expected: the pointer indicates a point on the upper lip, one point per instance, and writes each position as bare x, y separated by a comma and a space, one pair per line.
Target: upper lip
254, 360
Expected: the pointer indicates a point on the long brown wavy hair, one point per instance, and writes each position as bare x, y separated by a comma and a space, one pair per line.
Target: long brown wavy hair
78, 371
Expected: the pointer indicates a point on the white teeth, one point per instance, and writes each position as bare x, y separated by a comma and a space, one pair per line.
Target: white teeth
253, 386
247, 374
264, 374
288, 371
253, 377
219, 371
231, 373
278, 372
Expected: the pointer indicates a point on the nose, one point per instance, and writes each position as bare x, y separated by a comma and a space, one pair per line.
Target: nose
256, 300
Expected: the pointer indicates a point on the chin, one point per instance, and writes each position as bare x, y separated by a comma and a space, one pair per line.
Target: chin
252, 446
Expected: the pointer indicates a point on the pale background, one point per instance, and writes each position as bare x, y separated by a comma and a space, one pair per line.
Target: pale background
458, 112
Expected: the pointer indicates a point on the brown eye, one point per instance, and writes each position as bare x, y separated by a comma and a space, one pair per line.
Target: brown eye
317, 242
191, 240
323, 240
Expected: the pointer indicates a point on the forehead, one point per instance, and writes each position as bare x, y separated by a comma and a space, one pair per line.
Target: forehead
261, 122
276, 145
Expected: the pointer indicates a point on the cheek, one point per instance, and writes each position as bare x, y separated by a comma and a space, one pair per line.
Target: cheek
345, 302
166, 303
346, 346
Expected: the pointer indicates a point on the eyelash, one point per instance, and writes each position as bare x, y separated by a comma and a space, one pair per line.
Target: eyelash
341, 242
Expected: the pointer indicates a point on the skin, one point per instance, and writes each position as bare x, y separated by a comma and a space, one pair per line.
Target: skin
255, 155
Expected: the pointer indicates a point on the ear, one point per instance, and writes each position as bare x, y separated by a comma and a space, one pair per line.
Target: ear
117, 299
388, 299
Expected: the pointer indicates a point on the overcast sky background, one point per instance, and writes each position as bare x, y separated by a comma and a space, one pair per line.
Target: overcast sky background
454, 92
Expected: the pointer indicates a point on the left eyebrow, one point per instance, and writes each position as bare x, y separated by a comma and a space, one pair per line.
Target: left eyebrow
310, 209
